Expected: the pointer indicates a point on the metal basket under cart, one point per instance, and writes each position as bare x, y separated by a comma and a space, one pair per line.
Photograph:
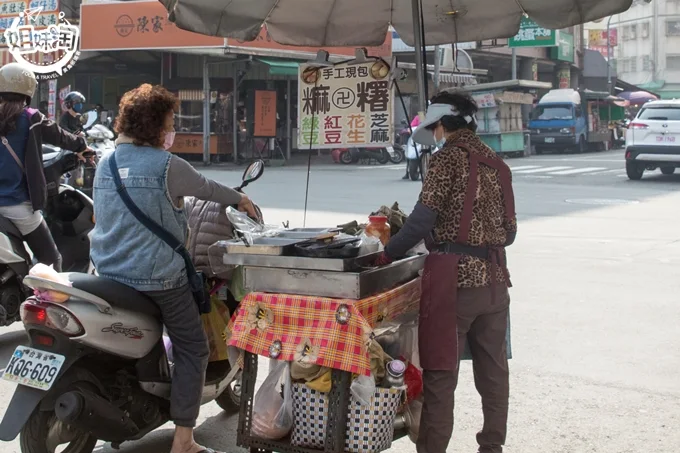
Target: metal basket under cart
338, 405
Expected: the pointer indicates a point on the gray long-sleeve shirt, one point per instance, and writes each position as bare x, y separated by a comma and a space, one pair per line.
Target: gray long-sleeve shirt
185, 181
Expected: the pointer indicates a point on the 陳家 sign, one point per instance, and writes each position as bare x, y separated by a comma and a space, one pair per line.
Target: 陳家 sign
345, 105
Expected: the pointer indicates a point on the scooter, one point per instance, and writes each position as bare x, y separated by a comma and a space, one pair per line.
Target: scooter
68, 214
96, 367
353, 155
100, 139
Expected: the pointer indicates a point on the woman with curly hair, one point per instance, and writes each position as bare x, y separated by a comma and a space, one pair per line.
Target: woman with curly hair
124, 250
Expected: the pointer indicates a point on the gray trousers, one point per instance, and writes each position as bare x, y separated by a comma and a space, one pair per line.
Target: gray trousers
190, 350
482, 323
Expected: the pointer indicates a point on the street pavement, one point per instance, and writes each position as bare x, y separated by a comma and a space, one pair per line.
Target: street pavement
594, 313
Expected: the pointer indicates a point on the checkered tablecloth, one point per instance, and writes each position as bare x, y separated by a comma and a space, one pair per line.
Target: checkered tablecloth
333, 333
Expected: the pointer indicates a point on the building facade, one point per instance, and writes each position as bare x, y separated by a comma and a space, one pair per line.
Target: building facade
645, 45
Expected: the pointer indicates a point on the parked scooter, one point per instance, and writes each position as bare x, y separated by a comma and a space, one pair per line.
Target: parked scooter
68, 214
353, 155
96, 367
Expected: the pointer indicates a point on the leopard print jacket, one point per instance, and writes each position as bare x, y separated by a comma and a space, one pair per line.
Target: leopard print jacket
444, 192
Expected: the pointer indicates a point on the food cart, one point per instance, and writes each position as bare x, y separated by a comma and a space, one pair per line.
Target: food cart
319, 308
503, 107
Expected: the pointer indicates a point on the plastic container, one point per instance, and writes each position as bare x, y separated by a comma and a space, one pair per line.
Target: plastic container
394, 374
379, 228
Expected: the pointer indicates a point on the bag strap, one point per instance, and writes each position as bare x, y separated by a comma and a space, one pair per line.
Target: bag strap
11, 151
147, 221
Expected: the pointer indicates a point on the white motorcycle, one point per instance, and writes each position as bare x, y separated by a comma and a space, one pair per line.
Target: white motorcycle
99, 137
96, 367
68, 214
100, 140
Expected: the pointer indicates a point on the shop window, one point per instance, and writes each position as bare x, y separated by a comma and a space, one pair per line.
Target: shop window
673, 27
673, 62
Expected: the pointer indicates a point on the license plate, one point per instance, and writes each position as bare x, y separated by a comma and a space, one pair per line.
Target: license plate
550, 139
33, 368
390, 150
665, 139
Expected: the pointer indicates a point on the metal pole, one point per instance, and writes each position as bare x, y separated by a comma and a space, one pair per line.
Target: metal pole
609, 58
514, 64
234, 107
420, 65
437, 67
289, 123
206, 111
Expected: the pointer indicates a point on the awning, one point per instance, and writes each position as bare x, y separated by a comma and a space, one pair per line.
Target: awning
453, 78
622, 85
668, 95
281, 67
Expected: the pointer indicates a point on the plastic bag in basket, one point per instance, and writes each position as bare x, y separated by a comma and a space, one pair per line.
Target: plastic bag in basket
272, 412
48, 273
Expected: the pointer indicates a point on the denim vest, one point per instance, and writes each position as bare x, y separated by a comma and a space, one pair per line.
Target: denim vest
124, 250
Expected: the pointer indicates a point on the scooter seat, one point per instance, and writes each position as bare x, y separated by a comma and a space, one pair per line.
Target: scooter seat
116, 294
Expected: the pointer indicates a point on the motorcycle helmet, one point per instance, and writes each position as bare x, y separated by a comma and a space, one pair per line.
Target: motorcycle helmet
17, 79
74, 100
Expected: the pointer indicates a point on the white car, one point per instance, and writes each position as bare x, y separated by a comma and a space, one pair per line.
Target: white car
653, 139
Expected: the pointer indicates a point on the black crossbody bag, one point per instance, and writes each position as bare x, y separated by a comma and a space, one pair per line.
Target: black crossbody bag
197, 280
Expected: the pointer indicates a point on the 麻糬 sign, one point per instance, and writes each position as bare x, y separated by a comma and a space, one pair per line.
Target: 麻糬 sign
345, 105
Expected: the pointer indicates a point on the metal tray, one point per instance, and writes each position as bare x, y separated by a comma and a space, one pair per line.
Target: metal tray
299, 262
273, 246
322, 283
306, 233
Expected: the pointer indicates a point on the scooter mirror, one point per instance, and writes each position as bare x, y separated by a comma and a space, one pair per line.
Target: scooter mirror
88, 119
252, 172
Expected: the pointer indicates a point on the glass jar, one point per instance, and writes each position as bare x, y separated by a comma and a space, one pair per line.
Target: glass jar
379, 228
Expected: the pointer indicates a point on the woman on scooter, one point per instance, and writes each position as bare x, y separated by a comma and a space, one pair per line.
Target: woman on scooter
23, 190
125, 250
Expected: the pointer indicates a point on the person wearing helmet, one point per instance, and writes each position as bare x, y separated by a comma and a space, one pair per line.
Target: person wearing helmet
23, 190
70, 119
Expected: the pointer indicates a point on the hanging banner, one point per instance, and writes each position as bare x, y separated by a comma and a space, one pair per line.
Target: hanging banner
346, 105
62, 94
52, 99
265, 114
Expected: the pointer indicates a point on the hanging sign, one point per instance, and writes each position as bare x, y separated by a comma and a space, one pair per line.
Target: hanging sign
265, 114
346, 105
484, 100
52, 99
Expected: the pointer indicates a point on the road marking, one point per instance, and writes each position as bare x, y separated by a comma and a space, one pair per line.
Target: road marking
574, 171
541, 170
616, 170
524, 167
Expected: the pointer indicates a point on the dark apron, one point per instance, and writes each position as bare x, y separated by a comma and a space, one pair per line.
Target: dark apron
437, 332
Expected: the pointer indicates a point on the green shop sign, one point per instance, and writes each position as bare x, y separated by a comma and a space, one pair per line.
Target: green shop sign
565, 47
532, 35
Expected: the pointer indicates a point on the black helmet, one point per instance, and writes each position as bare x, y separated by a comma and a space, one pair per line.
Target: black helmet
73, 98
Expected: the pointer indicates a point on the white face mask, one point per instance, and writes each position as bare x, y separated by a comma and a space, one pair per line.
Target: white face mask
438, 143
